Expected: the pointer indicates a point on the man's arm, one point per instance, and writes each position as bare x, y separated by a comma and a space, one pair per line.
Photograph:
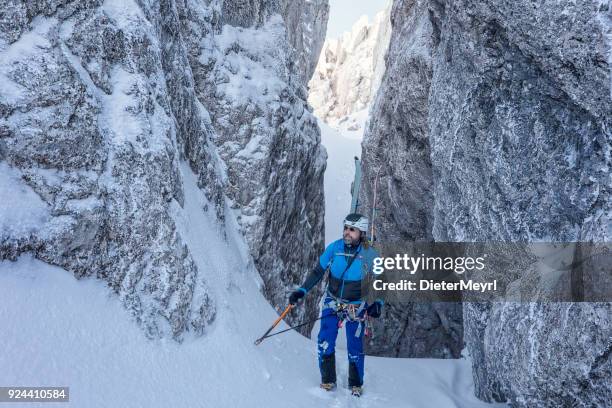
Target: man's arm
313, 278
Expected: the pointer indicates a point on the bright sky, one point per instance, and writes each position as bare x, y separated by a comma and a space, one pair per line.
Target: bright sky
344, 13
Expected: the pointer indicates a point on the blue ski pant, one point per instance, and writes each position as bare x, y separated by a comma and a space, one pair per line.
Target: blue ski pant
326, 341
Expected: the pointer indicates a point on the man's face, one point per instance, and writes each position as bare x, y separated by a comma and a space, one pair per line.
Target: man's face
351, 235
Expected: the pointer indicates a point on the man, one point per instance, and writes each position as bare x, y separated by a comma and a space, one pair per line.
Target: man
349, 261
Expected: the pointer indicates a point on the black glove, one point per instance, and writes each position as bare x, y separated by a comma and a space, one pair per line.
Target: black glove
295, 296
375, 309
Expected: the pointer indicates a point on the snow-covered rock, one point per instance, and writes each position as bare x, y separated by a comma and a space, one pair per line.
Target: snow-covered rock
268, 142
100, 100
349, 71
493, 124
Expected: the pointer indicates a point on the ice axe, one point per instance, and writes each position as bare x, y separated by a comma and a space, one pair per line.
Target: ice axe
281, 317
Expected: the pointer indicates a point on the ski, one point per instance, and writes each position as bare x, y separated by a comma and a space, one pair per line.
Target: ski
355, 186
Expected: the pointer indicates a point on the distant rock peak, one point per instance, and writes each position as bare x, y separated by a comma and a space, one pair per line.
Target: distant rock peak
350, 70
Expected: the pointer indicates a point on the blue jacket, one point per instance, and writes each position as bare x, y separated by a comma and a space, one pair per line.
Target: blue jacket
343, 284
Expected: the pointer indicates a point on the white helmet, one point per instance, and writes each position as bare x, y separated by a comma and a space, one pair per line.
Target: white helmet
357, 221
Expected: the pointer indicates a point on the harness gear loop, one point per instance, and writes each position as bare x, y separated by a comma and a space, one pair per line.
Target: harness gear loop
369, 330
350, 312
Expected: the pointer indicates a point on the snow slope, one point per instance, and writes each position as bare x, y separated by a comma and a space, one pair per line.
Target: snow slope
21, 209
342, 146
59, 331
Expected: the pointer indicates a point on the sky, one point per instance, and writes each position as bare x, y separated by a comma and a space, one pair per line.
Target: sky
344, 13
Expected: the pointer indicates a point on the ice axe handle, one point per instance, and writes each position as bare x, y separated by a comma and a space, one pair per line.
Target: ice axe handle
276, 322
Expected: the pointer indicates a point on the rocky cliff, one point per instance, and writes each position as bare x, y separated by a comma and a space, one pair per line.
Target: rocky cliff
100, 101
396, 157
493, 123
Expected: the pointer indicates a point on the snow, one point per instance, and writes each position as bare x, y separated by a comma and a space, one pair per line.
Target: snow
117, 108
22, 211
124, 13
27, 47
342, 146
59, 331
247, 73
29, 43
253, 149
11, 93
353, 125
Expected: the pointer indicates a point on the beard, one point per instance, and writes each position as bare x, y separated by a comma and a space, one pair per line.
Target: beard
349, 241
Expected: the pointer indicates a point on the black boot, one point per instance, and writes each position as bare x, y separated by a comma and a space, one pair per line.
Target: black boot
354, 380
328, 369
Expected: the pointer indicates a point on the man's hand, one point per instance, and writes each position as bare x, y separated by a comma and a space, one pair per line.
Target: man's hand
295, 296
375, 309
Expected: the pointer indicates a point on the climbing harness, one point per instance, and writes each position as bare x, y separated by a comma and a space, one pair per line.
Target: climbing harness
351, 312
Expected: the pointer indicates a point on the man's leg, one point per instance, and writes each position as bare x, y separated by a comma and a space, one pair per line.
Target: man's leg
356, 357
326, 345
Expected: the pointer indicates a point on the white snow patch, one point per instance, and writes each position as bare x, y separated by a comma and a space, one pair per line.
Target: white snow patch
341, 148
124, 13
22, 211
248, 71
22, 50
124, 125
253, 149
29, 43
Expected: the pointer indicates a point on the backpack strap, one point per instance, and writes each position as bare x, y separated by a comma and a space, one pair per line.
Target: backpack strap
350, 262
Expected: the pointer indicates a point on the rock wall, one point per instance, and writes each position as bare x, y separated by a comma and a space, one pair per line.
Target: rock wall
100, 100
396, 157
493, 124
306, 22
247, 79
